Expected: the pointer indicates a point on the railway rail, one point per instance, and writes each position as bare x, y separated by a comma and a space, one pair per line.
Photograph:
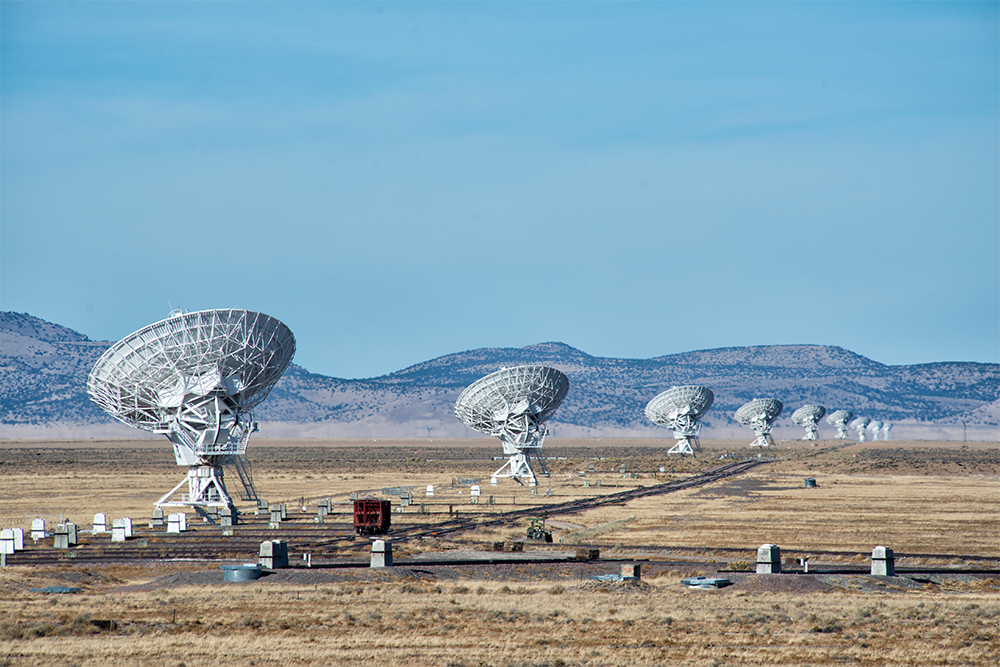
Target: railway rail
330, 540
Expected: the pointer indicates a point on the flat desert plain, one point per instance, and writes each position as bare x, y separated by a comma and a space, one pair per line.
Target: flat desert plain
936, 504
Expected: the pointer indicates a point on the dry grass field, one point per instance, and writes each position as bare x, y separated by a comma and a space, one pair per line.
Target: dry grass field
938, 500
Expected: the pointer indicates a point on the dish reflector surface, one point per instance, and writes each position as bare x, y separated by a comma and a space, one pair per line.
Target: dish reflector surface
235, 355
839, 417
685, 401
808, 414
505, 400
758, 410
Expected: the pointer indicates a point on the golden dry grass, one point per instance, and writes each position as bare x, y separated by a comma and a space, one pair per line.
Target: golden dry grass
923, 498
470, 622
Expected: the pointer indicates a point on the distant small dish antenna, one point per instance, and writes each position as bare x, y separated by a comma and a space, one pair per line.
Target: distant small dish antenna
680, 409
807, 417
195, 378
512, 405
840, 419
859, 425
875, 427
759, 414
887, 431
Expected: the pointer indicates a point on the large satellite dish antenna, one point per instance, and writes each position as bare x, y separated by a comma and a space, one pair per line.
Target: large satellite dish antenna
807, 416
840, 418
875, 427
759, 414
511, 404
680, 408
195, 378
859, 425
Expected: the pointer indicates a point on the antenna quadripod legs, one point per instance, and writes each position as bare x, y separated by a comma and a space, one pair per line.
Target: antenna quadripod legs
206, 478
518, 465
686, 443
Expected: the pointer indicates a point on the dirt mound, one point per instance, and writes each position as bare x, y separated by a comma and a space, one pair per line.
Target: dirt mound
780, 583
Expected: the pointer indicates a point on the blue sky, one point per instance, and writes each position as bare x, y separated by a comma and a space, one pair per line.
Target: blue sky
398, 181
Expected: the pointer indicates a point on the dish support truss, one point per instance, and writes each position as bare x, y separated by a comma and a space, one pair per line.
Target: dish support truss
522, 437
860, 425
762, 427
207, 434
686, 429
809, 423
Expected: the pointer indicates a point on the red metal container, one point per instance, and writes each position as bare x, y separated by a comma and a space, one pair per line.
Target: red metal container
372, 516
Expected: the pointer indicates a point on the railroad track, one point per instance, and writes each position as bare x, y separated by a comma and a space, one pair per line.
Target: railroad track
329, 540
576, 506
324, 540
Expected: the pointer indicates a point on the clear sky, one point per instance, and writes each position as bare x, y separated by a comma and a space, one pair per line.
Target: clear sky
399, 181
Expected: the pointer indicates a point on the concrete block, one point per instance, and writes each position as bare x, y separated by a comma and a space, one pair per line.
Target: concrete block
381, 553
6, 541
38, 529
768, 559
65, 535
276, 515
631, 571
273, 554
177, 522
158, 520
883, 562
100, 523
121, 530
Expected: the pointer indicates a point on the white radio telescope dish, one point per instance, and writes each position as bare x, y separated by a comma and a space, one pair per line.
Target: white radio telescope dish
512, 404
807, 416
195, 378
875, 427
759, 414
859, 425
840, 418
680, 409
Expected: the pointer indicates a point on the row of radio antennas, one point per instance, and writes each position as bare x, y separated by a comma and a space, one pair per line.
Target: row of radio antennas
196, 377
842, 419
681, 409
512, 404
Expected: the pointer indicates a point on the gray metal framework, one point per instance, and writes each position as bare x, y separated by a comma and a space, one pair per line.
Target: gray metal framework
511, 404
807, 417
859, 425
840, 419
759, 414
680, 409
195, 378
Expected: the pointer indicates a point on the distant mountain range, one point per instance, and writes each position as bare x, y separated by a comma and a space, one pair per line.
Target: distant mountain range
45, 367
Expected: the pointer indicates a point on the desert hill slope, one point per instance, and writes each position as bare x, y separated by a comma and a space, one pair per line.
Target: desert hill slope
44, 367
